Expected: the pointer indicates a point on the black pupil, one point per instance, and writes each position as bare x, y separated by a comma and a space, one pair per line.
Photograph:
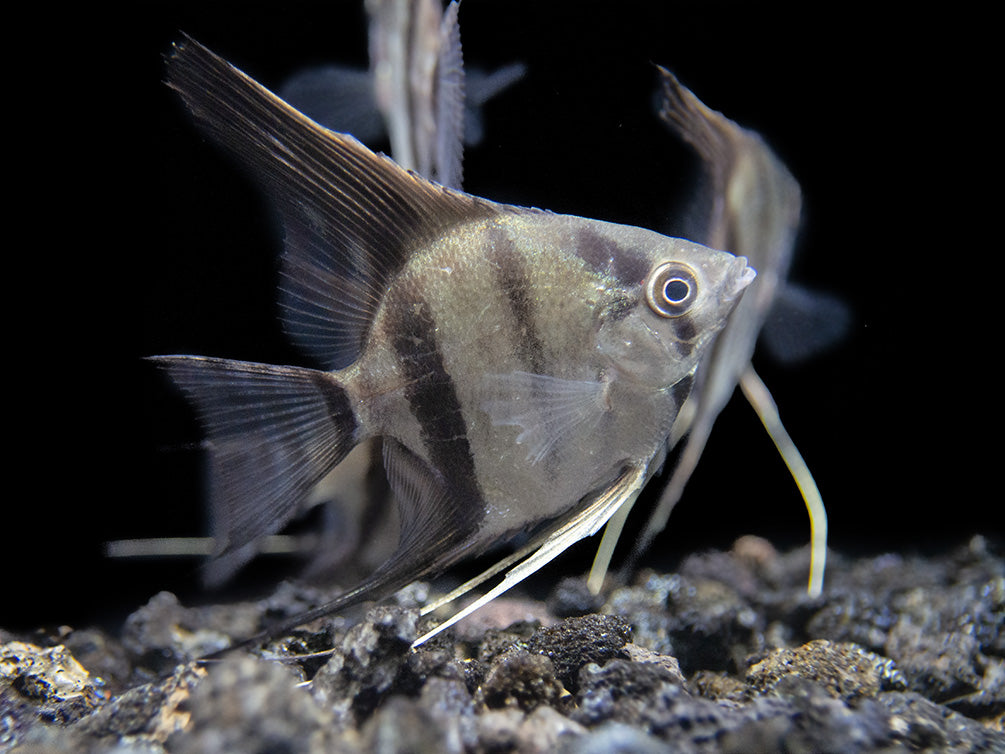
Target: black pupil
675, 290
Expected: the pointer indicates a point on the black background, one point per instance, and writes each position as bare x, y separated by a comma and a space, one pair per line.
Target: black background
145, 239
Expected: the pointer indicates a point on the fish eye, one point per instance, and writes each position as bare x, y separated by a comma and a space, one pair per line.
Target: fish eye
671, 289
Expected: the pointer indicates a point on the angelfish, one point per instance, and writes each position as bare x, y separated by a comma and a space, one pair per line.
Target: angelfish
524, 369
749, 204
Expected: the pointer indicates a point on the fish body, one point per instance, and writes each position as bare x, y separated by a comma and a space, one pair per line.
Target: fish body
522, 368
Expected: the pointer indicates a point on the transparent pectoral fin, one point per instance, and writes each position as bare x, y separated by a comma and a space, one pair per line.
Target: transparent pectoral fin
583, 523
545, 408
479, 87
758, 396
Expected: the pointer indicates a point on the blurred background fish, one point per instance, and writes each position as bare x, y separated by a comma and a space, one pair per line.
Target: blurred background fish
416, 90
748, 203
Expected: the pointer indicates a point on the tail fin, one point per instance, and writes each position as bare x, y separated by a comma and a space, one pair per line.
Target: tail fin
272, 431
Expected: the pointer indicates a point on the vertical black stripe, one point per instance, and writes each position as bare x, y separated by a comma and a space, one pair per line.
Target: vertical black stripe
607, 257
685, 333
432, 397
338, 404
681, 390
514, 281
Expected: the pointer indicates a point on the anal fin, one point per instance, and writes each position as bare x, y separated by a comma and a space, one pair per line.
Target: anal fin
438, 527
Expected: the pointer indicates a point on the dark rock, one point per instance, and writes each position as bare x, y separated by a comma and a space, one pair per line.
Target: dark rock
706, 624
644, 695
843, 670
545, 729
575, 642
729, 655
804, 716
862, 618
433, 660
616, 738
47, 684
923, 725
636, 653
163, 633
405, 725
521, 679
248, 704
368, 663
151, 712
499, 641
716, 686
104, 657
448, 702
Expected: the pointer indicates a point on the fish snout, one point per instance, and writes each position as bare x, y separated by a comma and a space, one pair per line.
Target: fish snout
741, 275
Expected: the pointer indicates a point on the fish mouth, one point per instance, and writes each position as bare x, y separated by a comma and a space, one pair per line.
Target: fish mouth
741, 275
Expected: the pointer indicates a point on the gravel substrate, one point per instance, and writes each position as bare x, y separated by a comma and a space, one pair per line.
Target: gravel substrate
727, 654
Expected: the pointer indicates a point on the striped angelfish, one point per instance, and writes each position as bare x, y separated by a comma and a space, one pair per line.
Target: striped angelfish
524, 369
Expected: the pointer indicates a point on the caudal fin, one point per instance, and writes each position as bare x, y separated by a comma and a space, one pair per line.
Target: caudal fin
272, 433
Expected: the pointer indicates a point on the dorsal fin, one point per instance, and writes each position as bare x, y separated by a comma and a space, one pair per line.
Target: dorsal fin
351, 217
702, 128
450, 102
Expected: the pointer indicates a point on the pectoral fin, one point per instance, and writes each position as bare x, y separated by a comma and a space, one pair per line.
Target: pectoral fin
338, 97
546, 409
803, 323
